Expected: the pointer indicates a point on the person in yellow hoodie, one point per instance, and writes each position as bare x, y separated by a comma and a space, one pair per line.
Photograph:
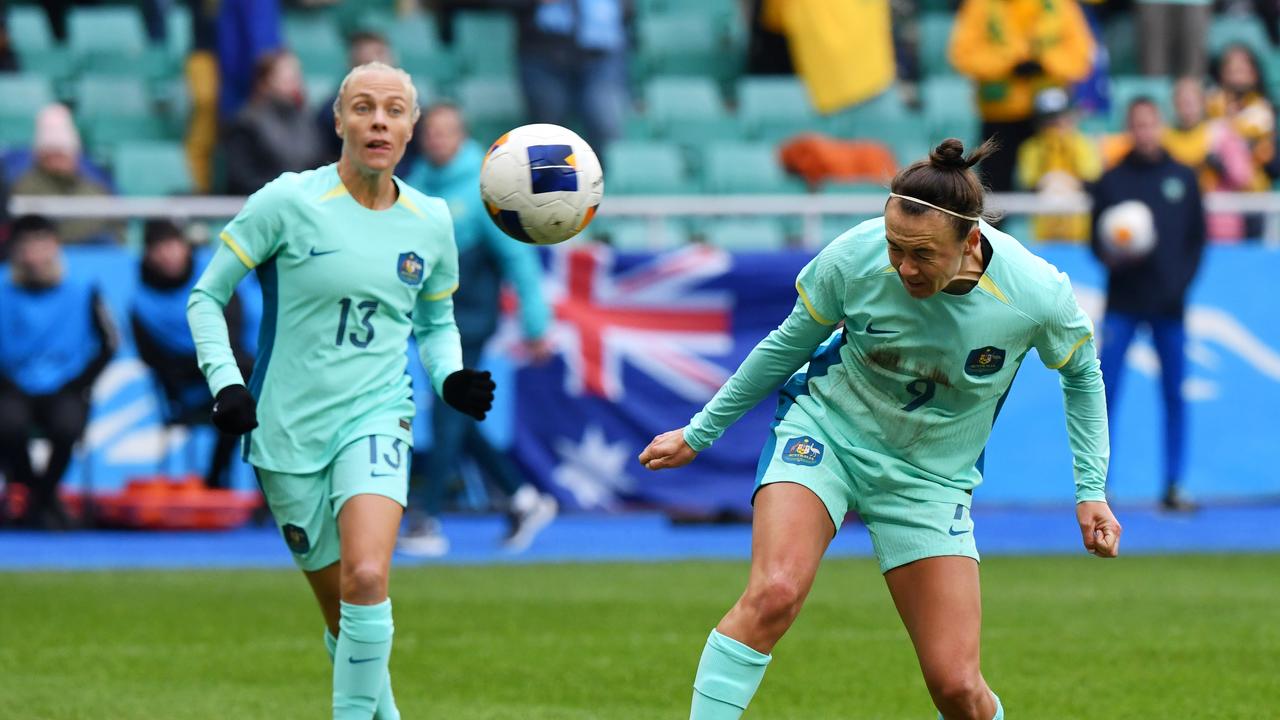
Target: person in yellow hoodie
1013, 49
1058, 159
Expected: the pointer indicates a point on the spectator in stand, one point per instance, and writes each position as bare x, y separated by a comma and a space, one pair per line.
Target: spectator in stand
246, 31
1241, 99
202, 89
1012, 49
160, 332
1058, 159
57, 171
273, 134
450, 169
363, 46
1213, 148
572, 60
1152, 290
1173, 37
56, 336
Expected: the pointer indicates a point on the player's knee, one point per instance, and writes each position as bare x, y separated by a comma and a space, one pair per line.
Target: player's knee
364, 580
776, 599
956, 688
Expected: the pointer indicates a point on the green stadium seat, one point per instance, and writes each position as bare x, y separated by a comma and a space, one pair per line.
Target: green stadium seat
854, 188
320, 89
178, 31
111, 96
1125, 89
28, 27
687, 110
112, 33
151, 168
416, 43
833, 226
739, 167
746, 235
883, 109
773, 108
688, 43
492, 106
104, 133
907, 137
1120, 35
1233, 29
935, 38
485, 42
643, 167
315, 39
950, 109
24, 95
638, 234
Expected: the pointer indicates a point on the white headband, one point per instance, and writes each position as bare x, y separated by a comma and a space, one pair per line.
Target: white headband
918, 201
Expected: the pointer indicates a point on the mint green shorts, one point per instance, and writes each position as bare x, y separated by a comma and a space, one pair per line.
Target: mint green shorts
306, 506
903, 529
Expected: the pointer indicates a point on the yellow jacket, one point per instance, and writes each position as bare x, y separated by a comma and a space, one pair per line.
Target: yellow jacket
992, 37
1055, 160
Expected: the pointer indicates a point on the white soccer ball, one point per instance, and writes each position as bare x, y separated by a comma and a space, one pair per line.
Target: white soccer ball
541, 183
1128, 230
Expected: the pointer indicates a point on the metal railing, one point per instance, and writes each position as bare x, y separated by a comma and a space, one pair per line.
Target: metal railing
810, 209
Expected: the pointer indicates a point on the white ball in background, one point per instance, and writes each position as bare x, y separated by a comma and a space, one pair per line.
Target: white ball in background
1128, 230
541, 183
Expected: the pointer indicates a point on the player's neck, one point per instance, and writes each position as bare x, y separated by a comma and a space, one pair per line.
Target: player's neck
971, 270
376, 191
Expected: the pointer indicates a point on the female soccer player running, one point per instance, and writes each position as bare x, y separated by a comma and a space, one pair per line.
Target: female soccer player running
890, 418
351, 261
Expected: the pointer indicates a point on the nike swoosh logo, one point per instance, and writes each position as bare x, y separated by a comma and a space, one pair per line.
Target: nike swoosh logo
873, 331
955, 532
322, 252
354, 661
378, 474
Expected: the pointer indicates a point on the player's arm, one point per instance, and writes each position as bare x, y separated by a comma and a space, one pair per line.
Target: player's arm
208, 323
1085, 403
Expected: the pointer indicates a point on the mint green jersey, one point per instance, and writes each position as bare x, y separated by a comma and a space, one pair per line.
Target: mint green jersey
343, 288
910, 387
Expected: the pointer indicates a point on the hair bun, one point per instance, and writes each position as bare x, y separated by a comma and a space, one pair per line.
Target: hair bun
949, 155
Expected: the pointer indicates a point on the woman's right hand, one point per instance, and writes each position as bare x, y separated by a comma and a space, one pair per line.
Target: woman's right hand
668, 450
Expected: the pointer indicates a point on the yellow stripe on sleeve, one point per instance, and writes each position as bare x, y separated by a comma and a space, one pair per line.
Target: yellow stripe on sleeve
804, 297
1074, 348
235, 248
440, 295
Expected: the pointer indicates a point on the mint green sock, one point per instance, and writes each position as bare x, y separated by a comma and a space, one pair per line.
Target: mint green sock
728, 676
360, 659
387, 709
999, 709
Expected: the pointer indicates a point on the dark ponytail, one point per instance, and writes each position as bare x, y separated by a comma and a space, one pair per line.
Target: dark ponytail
946, 179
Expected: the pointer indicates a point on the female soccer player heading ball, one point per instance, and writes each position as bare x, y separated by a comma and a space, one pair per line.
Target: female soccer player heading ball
351, 261
889, 419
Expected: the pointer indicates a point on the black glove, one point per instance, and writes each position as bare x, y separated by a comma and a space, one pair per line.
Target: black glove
1028, 68
469, 392
235, 412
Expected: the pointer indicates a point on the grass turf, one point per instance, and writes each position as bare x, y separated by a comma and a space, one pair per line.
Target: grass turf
1142, 637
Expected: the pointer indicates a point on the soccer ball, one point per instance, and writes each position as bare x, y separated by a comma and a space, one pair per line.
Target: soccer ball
541, 183
1128, 230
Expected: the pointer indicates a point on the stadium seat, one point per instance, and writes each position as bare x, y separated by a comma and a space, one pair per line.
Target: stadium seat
746, 235
416, 43
634, 166
151, 168
687, 110
950, 109
1125, 89
935, 38
106, 38
492, 106
29, 31
320, 89
1235, 29
773, 108
833, 226
24, 95
485, 43
740, 167
98, 96
639, 235
907, 137
1120, 35
883, 109
178, 32
315, 39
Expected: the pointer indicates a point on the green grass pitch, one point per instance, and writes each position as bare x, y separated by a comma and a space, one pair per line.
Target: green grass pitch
1142, 637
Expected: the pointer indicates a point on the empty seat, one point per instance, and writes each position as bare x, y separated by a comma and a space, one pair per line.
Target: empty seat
656, 168
935, 39
485, 42
151, 168
687, 109
1234, 29
105, 31
315, 39
775, 108
24, 95
98, 96
739, 167
746, 235
492, 106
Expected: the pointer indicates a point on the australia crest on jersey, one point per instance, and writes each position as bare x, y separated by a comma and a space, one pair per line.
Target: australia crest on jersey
409, 268
802, 450
984, 361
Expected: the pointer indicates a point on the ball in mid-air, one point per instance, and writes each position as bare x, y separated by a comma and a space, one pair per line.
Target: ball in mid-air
541, 183
1128, 230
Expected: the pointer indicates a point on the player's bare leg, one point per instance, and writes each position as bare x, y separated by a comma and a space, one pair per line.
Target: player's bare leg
326, 585
790, 532
368, 525
940, 602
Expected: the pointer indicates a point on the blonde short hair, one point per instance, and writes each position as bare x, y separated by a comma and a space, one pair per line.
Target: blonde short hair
376, 66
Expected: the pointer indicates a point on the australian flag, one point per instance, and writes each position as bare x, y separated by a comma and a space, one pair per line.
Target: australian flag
643, 342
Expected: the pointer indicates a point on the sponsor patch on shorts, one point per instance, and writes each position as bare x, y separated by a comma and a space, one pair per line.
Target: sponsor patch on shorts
802, 450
